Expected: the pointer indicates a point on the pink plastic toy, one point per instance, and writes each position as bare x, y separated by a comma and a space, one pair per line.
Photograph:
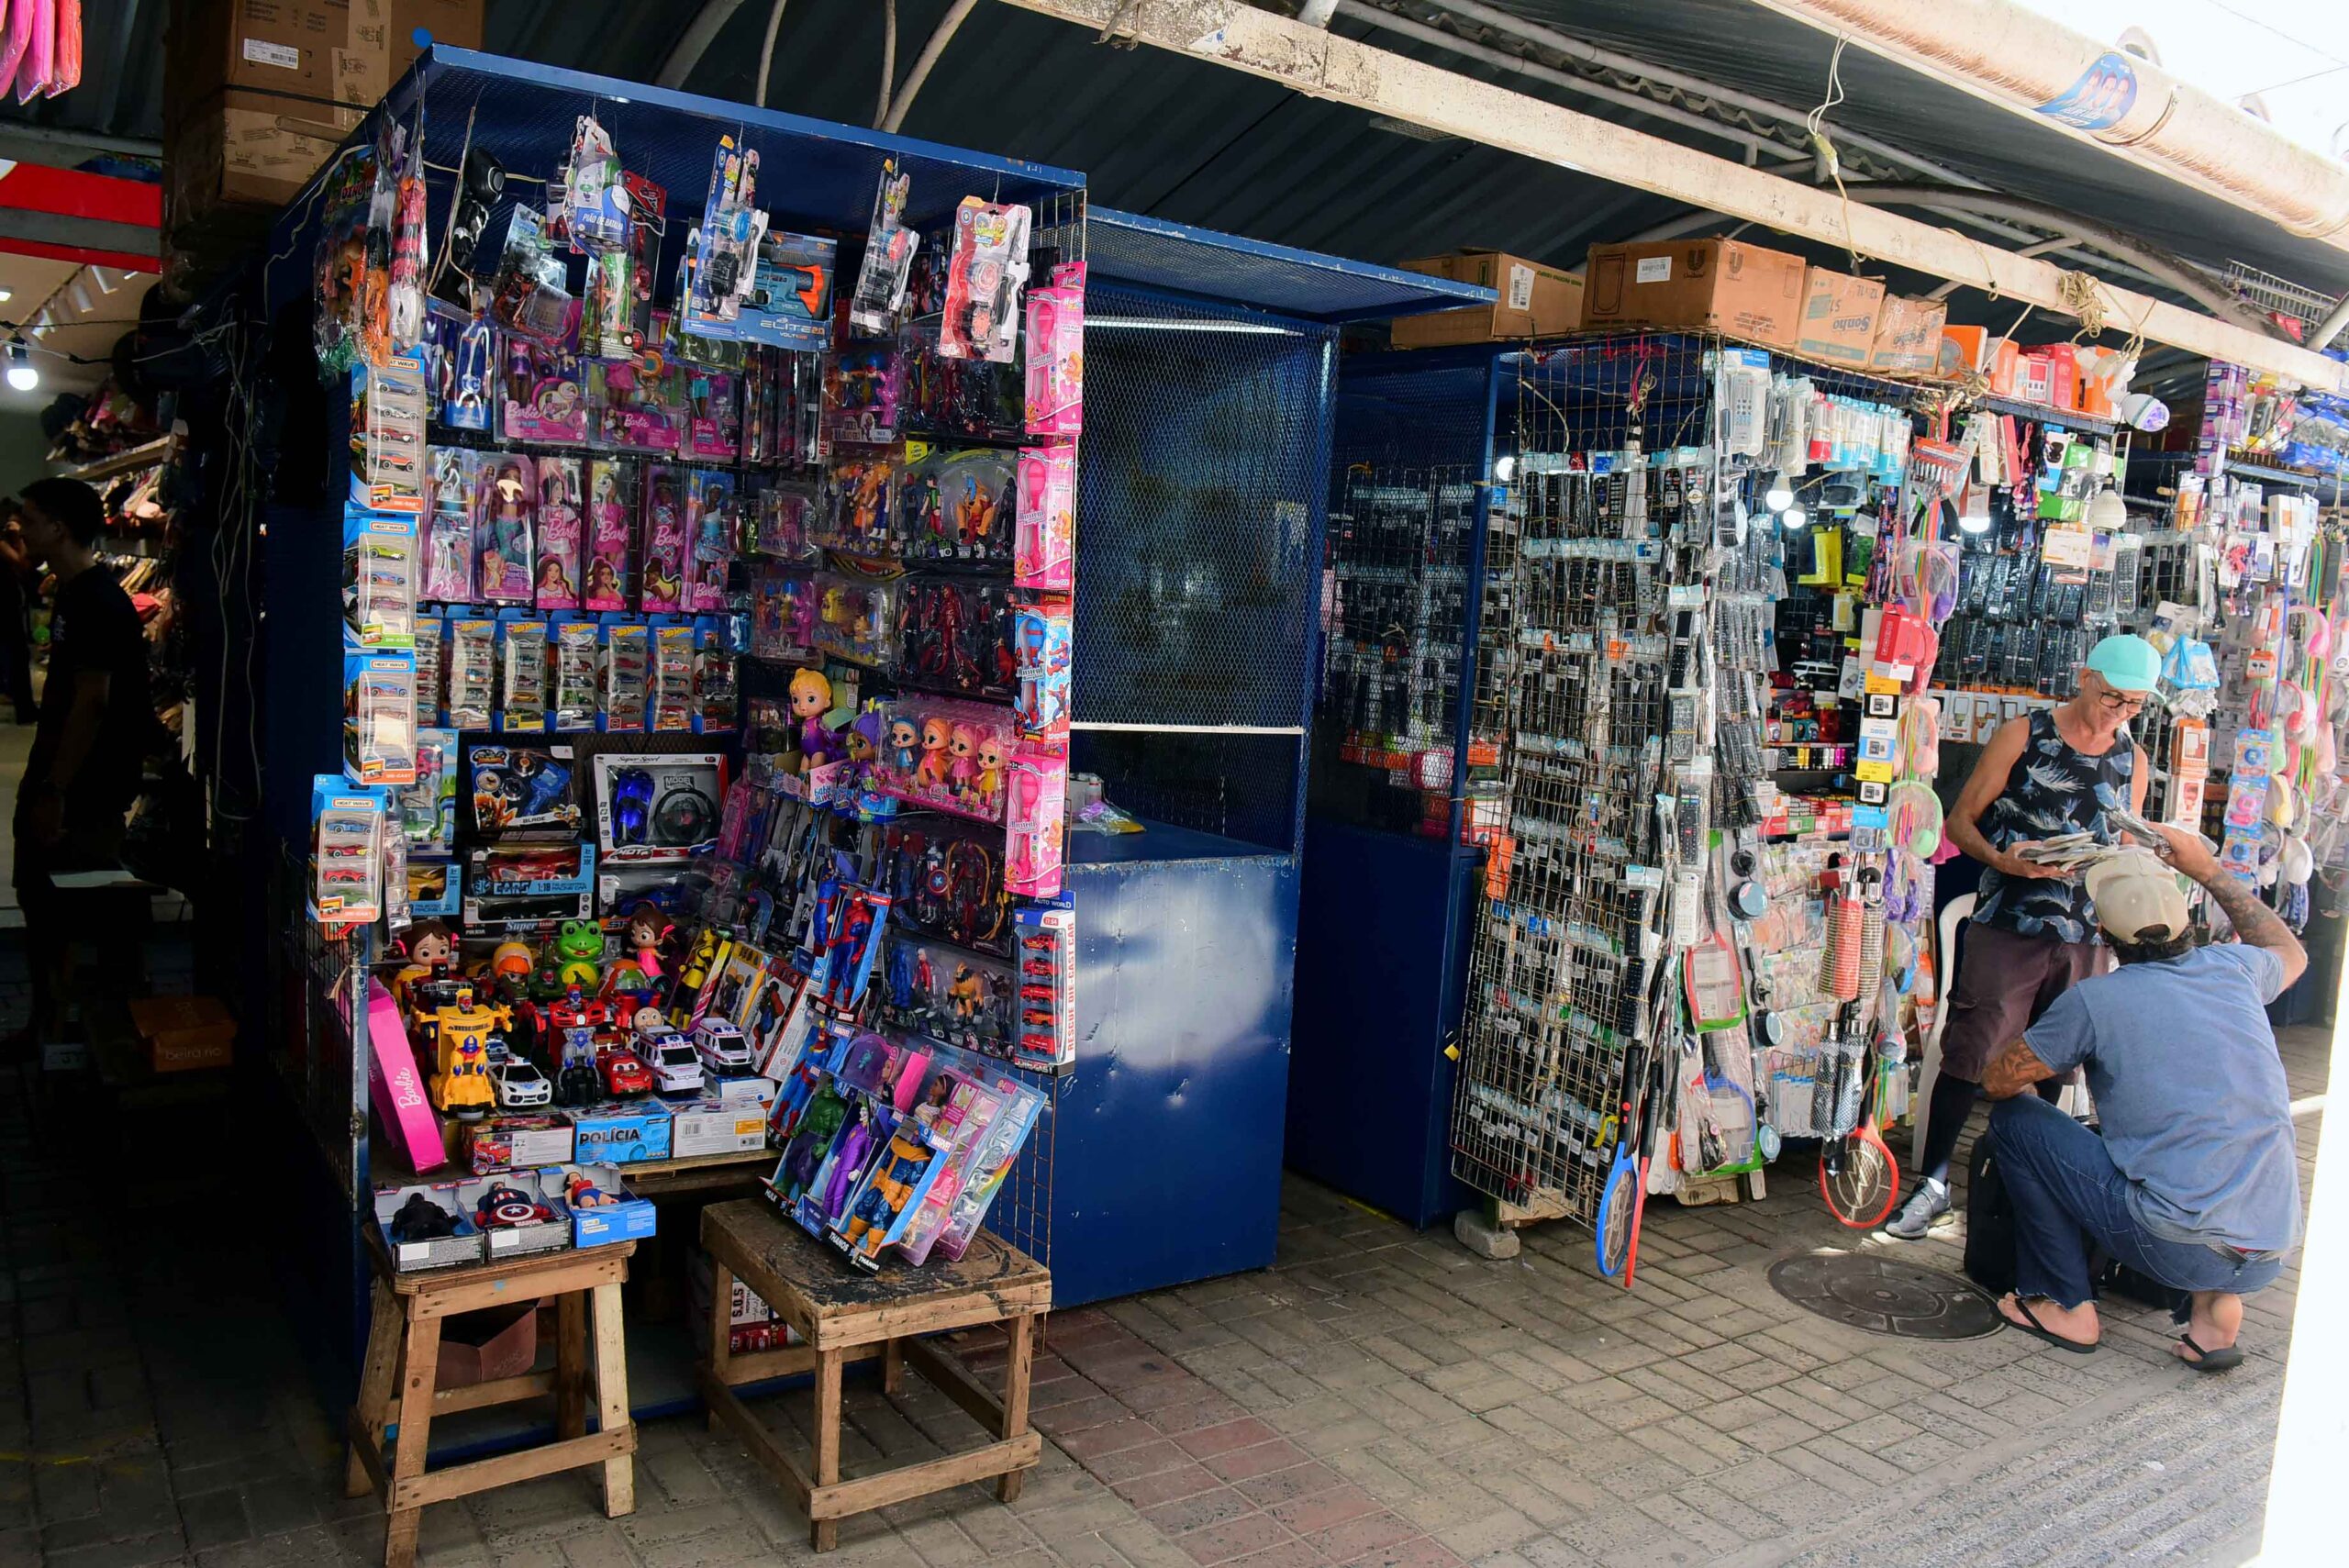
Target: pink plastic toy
395, 1088
1043, 556
1056, 354
555, 579
1034, 822
611, 525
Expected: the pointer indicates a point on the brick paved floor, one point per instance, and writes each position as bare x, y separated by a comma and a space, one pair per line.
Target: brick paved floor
1378, 1397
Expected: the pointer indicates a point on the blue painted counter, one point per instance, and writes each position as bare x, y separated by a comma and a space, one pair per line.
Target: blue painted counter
1382, 969
1167, 1150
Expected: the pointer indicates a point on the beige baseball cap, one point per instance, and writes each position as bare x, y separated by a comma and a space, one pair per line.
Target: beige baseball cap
2137, 896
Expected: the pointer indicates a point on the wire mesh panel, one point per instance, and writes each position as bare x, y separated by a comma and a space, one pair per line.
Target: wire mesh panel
1022, 1212
1409, 488
1614, 442
1199, 526
318, 1024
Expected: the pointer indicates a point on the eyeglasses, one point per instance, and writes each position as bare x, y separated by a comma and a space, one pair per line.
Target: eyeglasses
2118, 702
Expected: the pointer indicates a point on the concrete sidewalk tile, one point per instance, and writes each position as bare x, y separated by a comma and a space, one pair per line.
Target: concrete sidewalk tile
1321, 1510
1240, 1464
1214, 1544
1350, 1541
1276, 1486
1186, 1480
1094, 1443
1206, 1442
1197, 1512
1142, 1459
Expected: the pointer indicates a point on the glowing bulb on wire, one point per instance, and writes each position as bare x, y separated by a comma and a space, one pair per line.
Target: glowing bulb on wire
1793, 517
1780, 494
1504, 467
21, 373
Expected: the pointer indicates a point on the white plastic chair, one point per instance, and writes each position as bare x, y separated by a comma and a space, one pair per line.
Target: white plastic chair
1954, 916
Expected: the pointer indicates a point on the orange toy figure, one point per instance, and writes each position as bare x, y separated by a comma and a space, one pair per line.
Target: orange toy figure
461, 1087
963, 996
902, 1165
975, 512
936, 736
964, 748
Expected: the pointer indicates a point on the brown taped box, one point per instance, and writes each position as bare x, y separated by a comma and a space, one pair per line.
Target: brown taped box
1535, 301
1908, 336
333, 51
1722, 285
183, 1033
227, 170
1839, 317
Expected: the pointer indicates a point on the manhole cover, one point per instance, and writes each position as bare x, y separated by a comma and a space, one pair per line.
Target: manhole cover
1885, 1297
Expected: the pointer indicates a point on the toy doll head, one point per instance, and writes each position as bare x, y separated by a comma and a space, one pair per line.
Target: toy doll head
936, 734
903, 737
551, 577
493, 566
600, 580
510, 485
645, 926
991, 753
811, 693
963, 744
429, 943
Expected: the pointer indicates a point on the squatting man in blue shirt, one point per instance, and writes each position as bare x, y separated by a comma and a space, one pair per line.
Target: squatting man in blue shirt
2196, 1180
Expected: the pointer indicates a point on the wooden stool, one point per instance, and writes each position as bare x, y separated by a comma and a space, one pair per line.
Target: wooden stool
843, 1314
404, 1349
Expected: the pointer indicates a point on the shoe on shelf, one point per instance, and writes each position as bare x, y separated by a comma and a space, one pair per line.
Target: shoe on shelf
1930, 1202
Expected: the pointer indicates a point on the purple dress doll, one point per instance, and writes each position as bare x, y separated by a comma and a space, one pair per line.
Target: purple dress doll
848, 1165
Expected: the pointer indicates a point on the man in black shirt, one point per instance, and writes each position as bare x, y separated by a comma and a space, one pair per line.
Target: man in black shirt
90, 743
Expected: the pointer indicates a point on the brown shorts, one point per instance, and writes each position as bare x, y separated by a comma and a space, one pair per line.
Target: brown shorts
2004, 982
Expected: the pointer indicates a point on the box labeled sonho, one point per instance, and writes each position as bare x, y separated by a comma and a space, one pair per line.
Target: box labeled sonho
716, 1124
1724, 285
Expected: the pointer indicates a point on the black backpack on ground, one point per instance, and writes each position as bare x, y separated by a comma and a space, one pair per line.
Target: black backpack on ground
1990, 1241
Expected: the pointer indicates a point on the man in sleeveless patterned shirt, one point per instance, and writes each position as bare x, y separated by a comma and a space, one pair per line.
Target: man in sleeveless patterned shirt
2034, 934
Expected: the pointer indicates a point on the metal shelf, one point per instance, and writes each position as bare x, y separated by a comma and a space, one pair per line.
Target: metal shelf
153, 452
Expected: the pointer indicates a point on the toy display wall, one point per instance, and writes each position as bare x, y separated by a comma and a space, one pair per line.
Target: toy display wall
1199, 500
1403, 774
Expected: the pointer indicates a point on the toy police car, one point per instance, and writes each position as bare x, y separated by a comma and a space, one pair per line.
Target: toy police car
519, 1084
676, 1066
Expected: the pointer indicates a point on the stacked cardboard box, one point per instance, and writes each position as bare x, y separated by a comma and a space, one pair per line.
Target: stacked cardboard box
1533, 301
257, 94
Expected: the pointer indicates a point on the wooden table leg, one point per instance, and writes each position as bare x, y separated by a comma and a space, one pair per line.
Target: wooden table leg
611, 1396
721, 1327
1021, 1331
422, 1355
824, 1534
570, 1364
893, 1367
374, 1387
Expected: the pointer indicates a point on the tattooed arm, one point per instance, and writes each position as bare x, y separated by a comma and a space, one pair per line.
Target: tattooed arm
2254, 921
2012, 1071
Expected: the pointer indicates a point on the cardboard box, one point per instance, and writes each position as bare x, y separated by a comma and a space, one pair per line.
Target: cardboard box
183, 1033
346, 52
548, 1230
517, 1143
1535, 301
612, 1215
454, 1198
1963, 352
484, 1346
713, 1124
1908, 336
1839, 317
1722, 285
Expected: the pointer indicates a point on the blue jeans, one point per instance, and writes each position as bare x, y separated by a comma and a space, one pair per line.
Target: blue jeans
2069, 1195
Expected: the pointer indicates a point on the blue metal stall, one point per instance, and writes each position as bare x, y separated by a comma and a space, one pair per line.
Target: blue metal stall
1391, 877
1211, 375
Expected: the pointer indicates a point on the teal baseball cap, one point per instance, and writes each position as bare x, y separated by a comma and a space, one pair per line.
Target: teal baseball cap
2127, 663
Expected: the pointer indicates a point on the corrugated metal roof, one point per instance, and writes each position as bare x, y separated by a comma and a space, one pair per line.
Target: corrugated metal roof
1174, 139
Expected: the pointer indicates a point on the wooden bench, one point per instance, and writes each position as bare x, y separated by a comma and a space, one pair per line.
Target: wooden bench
403, 1352
843, 1314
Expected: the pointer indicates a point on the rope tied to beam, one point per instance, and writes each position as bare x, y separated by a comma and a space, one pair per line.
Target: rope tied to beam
2082, 298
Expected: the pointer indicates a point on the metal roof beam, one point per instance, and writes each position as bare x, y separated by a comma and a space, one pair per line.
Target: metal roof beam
1324, 65
2037, 69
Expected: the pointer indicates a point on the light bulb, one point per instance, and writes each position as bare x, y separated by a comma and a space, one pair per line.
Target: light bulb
6, 295
1504, 467
1974, 522
2107, 513
1781, 494
21, 373
1793, 517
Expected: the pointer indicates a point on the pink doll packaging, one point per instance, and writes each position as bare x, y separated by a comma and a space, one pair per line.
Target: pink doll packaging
940, 753
1043, 556
714, 415
710, 526
1056, 354
546, 393
662, 584
1035, 814
636, 407
504, 499
610, 534
449, 527
562, 523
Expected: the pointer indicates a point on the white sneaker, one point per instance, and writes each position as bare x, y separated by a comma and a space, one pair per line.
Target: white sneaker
1916, 1216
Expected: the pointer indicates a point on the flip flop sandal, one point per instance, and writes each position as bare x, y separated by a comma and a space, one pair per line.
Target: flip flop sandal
2219, 1360
2030, 1324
